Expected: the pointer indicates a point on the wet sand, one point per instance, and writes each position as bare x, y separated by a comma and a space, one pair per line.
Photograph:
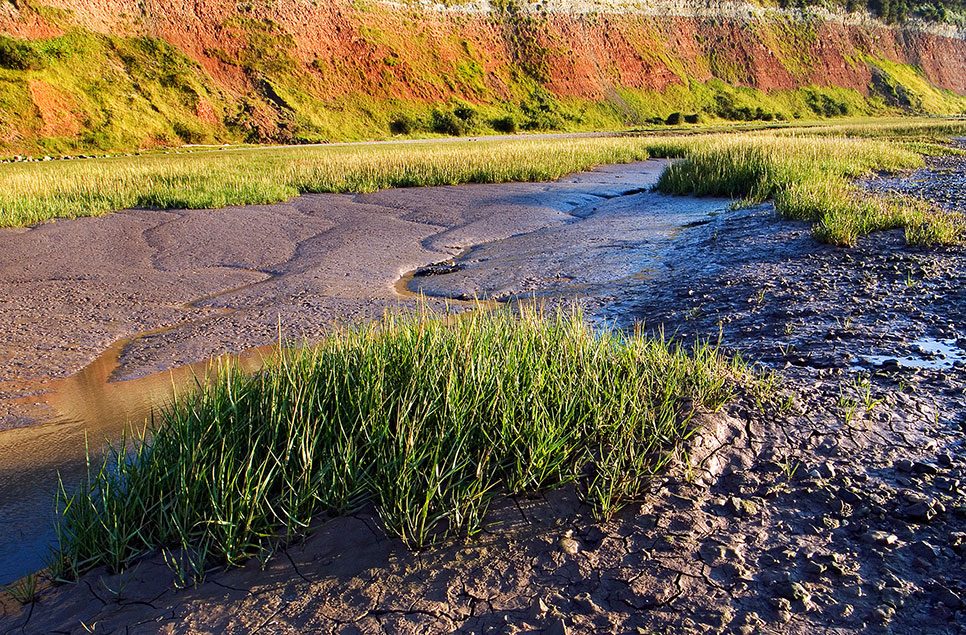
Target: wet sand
97, 312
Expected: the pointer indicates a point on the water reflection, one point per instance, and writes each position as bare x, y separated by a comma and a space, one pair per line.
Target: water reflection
83, 413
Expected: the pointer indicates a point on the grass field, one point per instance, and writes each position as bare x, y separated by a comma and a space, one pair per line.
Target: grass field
427, 419
810, 178
33, 192
806, 170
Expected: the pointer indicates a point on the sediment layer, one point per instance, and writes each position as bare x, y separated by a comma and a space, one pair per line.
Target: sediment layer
114, 73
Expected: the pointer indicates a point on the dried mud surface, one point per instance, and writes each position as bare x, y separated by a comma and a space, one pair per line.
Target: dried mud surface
190, 284
837, 509
940, 182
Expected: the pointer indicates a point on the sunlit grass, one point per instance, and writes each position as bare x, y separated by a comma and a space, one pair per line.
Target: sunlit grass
908, 127
811, 178
34, 192
426, 419
806, 170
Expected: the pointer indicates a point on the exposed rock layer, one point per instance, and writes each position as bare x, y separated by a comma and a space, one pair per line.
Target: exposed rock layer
308, 69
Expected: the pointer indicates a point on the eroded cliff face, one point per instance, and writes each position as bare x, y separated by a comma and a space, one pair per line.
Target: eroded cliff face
314, 70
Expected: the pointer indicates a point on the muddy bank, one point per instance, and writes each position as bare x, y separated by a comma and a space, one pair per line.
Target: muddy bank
839, 508
221, 280
129, 296
940, 182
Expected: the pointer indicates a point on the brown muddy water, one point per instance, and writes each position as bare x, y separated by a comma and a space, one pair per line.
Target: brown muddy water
82, 414
317, 260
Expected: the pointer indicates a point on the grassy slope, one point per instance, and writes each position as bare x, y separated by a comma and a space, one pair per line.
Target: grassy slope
111, 93
136, 92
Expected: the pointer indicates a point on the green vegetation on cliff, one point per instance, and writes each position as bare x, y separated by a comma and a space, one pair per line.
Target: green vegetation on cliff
893, 11
84, 92
88, 91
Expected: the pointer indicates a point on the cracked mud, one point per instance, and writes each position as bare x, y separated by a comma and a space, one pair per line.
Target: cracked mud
839, 507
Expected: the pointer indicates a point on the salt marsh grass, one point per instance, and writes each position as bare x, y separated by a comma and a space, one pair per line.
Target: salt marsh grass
34, 192
901, 128
806, 169
811, 178
424, 418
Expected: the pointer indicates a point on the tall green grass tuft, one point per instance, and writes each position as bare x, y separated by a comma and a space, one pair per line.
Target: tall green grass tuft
811, 178
426, 419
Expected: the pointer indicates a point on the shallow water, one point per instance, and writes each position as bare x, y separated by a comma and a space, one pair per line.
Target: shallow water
927, 353
82, 412
609, 243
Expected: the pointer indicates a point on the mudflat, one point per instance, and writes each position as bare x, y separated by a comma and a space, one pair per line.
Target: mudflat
840, 508
186, 285
97, 311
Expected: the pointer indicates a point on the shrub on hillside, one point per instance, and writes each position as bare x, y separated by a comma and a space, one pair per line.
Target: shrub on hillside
465, 113
544, 111
727, 107
506, 125
675, 119
449, 123
403, 124
826, 106
18, 56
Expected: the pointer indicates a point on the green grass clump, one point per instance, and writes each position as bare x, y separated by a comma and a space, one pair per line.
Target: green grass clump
811, 178
427, 419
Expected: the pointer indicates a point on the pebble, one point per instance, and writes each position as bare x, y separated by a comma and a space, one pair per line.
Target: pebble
568, 544
540, 607
883, 615
882, 538
921, 467
948, 597
586, 604
794, 591
923, 549
742, 507
825, 470
814, 568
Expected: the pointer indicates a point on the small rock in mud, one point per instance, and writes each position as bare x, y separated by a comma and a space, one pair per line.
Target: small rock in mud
568, 544
438, 269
